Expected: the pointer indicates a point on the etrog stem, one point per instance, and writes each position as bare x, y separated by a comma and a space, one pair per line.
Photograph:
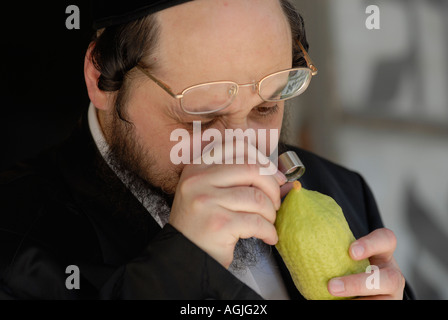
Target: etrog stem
297, 185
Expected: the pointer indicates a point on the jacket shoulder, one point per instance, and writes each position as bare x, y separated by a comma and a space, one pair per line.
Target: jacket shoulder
36, 208
327, 168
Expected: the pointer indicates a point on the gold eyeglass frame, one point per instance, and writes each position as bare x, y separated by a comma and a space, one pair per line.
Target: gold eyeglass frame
256, 85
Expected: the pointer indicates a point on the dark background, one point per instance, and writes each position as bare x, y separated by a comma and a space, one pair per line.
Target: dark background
42, 89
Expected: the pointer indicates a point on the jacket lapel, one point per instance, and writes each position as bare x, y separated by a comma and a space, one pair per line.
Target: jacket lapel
122, 224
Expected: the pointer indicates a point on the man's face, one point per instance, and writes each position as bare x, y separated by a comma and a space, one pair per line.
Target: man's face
203, 41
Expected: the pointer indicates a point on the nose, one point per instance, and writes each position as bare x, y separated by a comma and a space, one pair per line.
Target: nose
238, 117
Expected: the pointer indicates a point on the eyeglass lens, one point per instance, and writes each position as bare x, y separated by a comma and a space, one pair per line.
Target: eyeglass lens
212, 97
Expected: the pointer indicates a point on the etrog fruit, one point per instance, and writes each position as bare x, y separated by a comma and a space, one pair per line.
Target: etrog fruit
314, 240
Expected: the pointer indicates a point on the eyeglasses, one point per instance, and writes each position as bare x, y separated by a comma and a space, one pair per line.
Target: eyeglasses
210, 97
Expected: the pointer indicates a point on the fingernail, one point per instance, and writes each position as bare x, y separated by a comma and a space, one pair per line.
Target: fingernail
281, 177
336, 285
357, 250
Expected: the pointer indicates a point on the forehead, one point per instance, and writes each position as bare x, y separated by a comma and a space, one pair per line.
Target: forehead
209, 40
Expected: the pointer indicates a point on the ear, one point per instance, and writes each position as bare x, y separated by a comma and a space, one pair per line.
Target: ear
98, 97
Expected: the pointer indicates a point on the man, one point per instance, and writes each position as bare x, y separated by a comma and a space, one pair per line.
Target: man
111, 204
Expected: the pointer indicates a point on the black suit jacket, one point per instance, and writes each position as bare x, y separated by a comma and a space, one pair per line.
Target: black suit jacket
66, 207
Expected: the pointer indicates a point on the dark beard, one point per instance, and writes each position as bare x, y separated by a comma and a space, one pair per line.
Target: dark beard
127, 158
247, 253
132, 159
135, 168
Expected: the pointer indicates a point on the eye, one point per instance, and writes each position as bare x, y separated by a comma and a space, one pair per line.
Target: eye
265, 111
204, 124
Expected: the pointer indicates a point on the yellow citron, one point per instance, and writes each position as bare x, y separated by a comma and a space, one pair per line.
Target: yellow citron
314, 241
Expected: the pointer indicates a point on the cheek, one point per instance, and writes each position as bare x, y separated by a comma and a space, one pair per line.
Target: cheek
152, 127
278, 119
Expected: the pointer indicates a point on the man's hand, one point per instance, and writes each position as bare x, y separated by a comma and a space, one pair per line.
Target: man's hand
216, 205
378, 247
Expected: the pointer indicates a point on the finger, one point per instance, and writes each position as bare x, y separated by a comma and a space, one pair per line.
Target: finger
267, 167
386, 281
378, 245
247, 225
247, 199
241, 152
255, 163
285, 189
244, 175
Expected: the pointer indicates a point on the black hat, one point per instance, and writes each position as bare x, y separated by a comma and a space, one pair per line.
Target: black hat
107, 13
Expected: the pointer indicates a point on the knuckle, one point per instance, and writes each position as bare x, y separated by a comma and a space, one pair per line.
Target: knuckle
200, 201
395, 278
255, 220
187, 184
390, 235
258, 197
181, 187
218, 222
258, 221
403, 282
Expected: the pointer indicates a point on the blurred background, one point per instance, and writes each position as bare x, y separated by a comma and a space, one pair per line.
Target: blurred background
379, 106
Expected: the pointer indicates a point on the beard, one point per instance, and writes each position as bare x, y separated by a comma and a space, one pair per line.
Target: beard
138, 169
247, 253
139, 165
154, 187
